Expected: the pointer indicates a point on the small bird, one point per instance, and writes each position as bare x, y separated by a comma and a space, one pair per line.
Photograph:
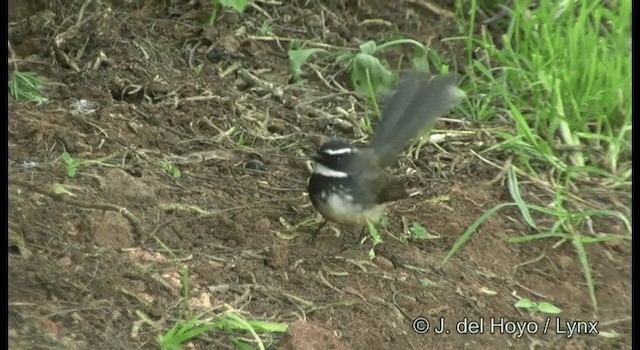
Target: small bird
351, 185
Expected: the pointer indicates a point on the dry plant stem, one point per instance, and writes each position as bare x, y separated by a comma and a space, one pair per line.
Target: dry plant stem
433, 8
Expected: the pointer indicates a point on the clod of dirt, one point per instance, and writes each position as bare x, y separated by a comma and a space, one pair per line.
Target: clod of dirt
566, 263
119, 183
230, 43
228, 229
279, 257
113, 230
384, 263
263, 226
306, 336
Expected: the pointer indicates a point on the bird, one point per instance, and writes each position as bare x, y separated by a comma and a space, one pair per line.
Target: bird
352, 185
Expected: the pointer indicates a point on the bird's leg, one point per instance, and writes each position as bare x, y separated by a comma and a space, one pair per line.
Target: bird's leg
312, 239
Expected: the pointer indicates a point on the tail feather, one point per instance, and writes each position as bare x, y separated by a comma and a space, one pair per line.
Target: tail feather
415, 105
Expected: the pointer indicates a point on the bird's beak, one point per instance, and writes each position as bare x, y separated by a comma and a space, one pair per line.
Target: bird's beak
315, 157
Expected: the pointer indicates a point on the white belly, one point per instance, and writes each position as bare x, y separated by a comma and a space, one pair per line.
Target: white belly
343, 211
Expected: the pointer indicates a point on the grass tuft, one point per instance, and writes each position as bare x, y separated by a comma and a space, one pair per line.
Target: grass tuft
561, 72
27, 86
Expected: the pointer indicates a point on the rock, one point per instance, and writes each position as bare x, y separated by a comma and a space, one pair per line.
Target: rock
278, 257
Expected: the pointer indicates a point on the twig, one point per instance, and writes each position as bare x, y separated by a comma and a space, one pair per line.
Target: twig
310, 43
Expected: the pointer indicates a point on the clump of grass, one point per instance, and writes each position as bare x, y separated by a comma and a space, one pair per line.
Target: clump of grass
190, 326
568, 226
27, 86
561, 72
266, 28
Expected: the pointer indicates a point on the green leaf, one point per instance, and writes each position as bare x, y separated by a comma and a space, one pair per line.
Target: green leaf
298, 57
418, 231
525, 303
72, 164
238, 5
514, 189
345, 57
170, 169
425, 282
27, 86
548, 308
367, 69
368, 48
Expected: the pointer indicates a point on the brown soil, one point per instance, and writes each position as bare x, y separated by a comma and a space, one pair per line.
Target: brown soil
146, 81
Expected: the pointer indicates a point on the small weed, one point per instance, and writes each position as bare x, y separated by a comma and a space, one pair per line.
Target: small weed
417, 231
61, 189
370, 75
169, 168
73, 164
229, 322
27, 86
266, 28
298, 57
192, 326
197, 70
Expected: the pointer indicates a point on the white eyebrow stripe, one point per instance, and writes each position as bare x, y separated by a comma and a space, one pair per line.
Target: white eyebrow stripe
324, 170
334, 152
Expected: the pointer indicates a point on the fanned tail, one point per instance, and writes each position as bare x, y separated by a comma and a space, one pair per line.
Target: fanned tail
415, 105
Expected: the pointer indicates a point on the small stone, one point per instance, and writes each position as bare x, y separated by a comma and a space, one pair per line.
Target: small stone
255, 164
64, 261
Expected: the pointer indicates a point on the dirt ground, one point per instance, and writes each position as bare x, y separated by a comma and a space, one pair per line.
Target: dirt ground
142, 82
